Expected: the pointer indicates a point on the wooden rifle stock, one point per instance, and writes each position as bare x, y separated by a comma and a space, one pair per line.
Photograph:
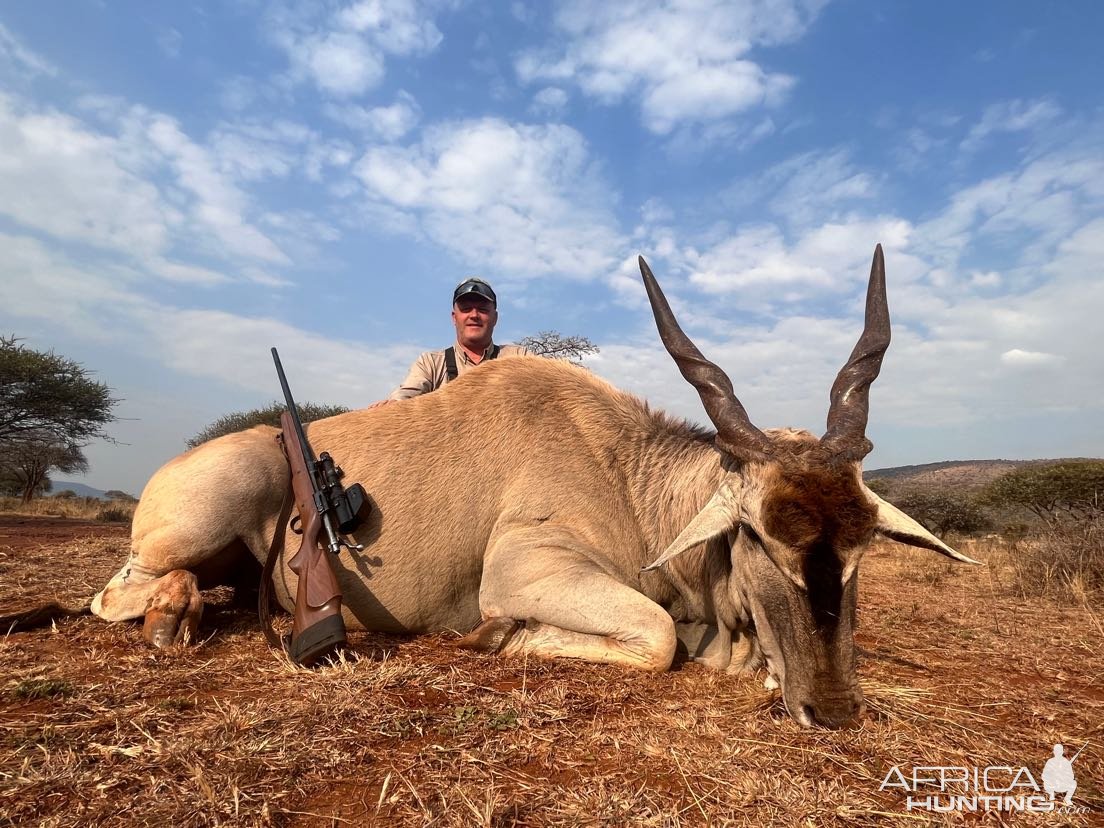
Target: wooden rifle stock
318, 628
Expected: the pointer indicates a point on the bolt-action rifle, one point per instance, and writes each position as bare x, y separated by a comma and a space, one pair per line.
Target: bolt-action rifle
324, 505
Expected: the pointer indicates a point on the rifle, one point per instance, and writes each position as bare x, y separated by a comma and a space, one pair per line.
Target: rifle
323, 505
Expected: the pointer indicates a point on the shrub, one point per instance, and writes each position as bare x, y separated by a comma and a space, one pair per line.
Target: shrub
115, 513
942, 510
43, 688
1064, 560
1067, 488
80, 508
269, 415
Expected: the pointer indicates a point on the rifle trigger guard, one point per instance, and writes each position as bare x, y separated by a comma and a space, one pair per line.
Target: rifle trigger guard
296, 524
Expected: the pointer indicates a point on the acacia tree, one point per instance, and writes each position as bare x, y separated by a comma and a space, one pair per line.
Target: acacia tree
940, 510
50, 397
269, 415
30, 459
49, 410
117, 494
1068, 488
557, 346
11, 481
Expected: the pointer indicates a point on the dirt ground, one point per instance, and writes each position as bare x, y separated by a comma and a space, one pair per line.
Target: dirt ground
98, 729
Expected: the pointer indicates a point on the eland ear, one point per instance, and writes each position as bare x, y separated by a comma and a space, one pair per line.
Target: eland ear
716, 517
896, 525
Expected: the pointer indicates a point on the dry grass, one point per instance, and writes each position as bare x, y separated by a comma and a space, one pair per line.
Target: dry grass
96, 729
77, 508
1062, 560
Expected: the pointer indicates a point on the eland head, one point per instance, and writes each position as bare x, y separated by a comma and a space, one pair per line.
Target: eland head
797, 517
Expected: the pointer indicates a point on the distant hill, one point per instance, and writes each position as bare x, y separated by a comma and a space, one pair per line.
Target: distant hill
79, 489
957, 474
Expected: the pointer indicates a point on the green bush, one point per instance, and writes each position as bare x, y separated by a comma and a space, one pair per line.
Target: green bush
269, 415
942, 510
1051, 491
43, 688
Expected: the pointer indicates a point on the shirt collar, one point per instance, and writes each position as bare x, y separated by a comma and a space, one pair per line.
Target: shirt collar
463, 354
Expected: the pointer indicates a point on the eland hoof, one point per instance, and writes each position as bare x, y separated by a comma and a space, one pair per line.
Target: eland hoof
173, 611
490, 636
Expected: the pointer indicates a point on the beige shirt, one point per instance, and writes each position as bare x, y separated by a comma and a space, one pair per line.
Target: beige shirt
428, 372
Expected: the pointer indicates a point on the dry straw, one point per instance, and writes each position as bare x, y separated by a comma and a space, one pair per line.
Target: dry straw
97, 729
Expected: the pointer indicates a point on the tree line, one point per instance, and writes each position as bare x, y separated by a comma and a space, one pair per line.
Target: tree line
1046, 493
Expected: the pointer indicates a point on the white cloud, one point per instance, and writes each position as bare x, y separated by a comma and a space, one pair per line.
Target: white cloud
101, 302
987, 279
525, 199
250, 152
1045, 200
38, 283
63, 179
1028, 358
183, 273
401, 27
549, 101
388, 123
1010, 116
757, 267
343, 51
234, 349
339, 62
253, 150
140, 188
238, 93
169, 41
219, 205
812, 186
15, 54
709, 94
682, 62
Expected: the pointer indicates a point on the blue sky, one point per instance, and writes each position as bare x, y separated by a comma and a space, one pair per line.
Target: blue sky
186, 184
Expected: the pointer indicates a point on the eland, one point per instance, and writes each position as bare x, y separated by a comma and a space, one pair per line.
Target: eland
539, 510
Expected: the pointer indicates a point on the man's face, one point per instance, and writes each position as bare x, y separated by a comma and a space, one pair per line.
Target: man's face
474, 318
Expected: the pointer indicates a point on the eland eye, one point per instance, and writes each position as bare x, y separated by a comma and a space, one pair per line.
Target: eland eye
752, 535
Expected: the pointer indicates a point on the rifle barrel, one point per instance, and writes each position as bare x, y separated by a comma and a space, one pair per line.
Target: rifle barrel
308, 452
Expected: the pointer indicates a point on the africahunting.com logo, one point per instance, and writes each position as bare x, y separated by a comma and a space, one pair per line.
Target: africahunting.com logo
1005, 788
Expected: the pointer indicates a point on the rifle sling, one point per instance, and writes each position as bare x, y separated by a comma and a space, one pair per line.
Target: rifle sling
264, 594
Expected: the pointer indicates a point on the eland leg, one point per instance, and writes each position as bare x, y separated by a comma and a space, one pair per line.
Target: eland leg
205, 519
164, 586
171, 603
571, 606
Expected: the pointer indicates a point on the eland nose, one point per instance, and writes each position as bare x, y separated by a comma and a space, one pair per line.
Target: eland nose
834, 713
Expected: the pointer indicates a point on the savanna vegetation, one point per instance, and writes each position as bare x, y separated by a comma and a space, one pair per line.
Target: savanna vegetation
1046, 517
50, 409
267, 415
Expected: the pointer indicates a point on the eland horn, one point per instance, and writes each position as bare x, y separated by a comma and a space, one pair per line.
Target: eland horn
735, 432
846, 434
